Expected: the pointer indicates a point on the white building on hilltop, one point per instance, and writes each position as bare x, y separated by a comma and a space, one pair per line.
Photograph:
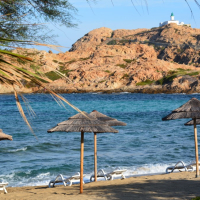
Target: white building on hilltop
171, 21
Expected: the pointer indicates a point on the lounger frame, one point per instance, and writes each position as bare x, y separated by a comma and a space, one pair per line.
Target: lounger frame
3, 187
110, 175
179, 166
66, 181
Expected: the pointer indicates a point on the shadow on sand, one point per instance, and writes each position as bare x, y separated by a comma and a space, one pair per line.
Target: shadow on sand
149, 189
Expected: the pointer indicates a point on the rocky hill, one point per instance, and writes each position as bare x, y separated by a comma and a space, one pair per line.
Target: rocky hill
164, 59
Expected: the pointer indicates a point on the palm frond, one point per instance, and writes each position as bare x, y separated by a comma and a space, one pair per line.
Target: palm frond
28, 106
15, 55
12, 76
21, 111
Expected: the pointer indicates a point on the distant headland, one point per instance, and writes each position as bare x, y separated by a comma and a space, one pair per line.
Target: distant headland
162, 59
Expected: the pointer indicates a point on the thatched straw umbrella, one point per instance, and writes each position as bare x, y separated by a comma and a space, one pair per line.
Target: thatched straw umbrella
111, 122
4, 136
190, 109
82, 122
108, 120
191, 122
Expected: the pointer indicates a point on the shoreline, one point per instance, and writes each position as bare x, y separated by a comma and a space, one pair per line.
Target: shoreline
110, 92
138, 89
181, 185
165, 89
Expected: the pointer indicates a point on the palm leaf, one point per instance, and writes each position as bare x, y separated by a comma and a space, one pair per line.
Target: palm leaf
12, 75
15, 55
22, 112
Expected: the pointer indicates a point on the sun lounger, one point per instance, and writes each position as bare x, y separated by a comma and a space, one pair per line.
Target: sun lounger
3, 187
180, 165
65, 181
110, 175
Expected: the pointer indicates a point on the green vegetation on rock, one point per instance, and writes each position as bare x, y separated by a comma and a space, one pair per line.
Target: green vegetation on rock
193, 74
147, 82
175, 73
166, 79
112, 42
125, 76
20, 61
34, 67
121, 65
108, 56
84, 58
124, 41
102, 81
196, 198
71, 61
64, 71
52, 75
128, 60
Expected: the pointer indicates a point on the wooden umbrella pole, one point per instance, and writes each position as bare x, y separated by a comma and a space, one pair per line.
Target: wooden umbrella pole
81, 162
95, 157
196, 149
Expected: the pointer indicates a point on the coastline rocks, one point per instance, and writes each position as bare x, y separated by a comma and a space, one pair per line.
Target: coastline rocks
4, 89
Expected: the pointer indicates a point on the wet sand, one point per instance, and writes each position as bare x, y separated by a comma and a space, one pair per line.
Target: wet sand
181, 185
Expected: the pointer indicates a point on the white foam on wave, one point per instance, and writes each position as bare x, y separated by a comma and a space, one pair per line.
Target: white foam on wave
148, 169
125, 92
142, 170
96, 93
16, 181
16, 150
40, 179
44, 178
195, 93
7, 177
179, 93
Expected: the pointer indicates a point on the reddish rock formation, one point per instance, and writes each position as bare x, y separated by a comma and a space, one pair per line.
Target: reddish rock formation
163, 59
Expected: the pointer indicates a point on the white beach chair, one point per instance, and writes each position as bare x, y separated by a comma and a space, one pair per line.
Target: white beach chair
3, 187
110, 175
180, 165
66, 181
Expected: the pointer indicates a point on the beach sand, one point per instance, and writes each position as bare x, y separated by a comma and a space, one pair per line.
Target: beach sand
181, 185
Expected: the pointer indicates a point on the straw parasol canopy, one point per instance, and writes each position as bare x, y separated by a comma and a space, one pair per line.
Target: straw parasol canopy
190, 109
109, 121
191, 122
82, 122
4, 136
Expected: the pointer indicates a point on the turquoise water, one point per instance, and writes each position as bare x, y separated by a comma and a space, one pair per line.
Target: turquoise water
146, 145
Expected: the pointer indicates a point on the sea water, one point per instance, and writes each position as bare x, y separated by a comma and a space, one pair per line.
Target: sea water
147, 145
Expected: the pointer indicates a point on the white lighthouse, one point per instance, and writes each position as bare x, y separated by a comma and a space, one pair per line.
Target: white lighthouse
171, 21
172, 16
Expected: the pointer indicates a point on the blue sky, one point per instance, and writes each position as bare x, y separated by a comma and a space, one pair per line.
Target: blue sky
123, 15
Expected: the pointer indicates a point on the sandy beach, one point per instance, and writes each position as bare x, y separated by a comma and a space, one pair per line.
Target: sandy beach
181, 185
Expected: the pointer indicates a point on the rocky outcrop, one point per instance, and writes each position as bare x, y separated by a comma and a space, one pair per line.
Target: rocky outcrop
91, 40
164, 59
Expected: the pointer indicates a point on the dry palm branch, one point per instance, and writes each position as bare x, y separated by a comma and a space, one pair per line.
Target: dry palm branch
13, 76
